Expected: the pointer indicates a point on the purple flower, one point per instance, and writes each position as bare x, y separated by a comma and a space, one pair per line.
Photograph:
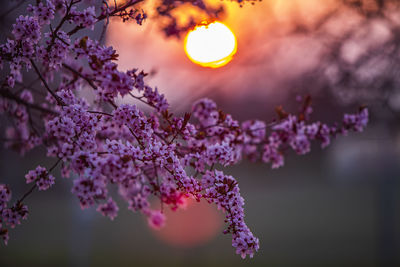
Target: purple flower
156, 219
85, 18
5, 196
4, 234
26, 28
13, 216
43, 12
43, 179
105, 144
109, 209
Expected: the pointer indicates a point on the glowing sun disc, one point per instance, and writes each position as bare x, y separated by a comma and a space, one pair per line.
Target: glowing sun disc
212, 45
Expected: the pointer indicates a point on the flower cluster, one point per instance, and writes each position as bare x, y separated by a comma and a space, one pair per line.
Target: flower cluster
9, 216
41, 177
224, 191
26, 28
43, 12
103, 145
109, 209
5, 196
85, 18
19, 136
356, 122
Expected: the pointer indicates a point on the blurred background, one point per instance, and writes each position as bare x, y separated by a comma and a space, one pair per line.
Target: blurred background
339, 206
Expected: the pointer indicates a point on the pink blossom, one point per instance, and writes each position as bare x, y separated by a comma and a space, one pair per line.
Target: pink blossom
43, 179
156, 219
13, 216
109, 209
4, 234
107, 145
5, 196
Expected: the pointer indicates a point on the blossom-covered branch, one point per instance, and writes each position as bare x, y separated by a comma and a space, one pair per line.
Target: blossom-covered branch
104, 144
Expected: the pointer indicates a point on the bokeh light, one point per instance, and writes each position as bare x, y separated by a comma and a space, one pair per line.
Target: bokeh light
195, 224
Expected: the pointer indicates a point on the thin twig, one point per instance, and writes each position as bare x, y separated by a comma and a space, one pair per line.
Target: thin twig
26, 194
106, 24
63, 20
100, 112
7, 94
101, 17
56, 97
88, 80
34, 185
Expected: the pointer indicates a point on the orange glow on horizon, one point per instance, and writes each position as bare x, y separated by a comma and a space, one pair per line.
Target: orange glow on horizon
210, 45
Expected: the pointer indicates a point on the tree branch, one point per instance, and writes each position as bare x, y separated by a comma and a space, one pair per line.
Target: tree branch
7, 94
56, 97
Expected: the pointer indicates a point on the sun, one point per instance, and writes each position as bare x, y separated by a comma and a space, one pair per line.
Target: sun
211, 45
